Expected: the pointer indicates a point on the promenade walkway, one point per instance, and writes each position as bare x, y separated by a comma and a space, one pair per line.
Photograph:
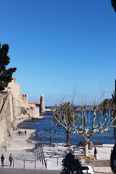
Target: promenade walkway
102, 170
24, 158
97, 170
27, 171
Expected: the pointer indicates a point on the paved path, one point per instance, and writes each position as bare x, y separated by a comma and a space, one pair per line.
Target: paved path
102, 170
27, 171
31, 171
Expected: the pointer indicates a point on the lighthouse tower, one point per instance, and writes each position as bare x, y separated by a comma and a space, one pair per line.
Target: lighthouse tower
42, 104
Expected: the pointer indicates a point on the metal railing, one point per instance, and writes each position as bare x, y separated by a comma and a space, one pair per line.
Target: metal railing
39, 154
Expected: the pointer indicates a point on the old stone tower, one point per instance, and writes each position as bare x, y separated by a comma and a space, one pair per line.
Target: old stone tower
42, 104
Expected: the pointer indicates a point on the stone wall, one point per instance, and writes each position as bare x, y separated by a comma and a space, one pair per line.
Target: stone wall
22, 109
6, 117
33, 110
14, 108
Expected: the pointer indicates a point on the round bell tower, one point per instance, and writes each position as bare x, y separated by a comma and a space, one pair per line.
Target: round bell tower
42, 104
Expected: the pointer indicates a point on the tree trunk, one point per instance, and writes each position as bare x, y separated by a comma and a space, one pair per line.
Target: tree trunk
115, 132
114, 116
67, 138
86, 141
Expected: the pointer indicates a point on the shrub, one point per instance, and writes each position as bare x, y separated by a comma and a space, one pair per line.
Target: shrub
71, 164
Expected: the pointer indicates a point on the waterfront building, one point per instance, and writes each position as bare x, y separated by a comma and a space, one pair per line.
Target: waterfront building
33, 109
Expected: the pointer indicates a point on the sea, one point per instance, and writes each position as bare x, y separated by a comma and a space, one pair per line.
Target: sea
46, 131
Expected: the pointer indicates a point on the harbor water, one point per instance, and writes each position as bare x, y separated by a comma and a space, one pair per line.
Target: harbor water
48, 132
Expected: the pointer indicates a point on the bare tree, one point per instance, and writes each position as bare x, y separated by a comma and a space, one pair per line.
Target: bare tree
92, 122
65, 114
86, 122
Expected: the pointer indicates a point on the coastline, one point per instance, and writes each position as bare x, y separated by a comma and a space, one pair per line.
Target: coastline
21, 122
23, 150
20, 144
24, 155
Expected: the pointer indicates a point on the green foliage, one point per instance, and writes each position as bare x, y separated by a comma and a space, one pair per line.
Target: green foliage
113, 2
71, 165
5, 74
105, 105
110, 104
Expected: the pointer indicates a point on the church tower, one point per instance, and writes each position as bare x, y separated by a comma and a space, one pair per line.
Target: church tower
42, 104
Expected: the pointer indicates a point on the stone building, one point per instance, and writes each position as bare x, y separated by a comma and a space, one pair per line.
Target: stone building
33, 109
22, 108
14, 108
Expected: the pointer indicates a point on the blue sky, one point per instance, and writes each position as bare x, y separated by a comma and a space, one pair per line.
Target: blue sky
64, 49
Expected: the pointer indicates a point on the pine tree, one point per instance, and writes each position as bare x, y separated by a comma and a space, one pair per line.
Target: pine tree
71, 165
5, 74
